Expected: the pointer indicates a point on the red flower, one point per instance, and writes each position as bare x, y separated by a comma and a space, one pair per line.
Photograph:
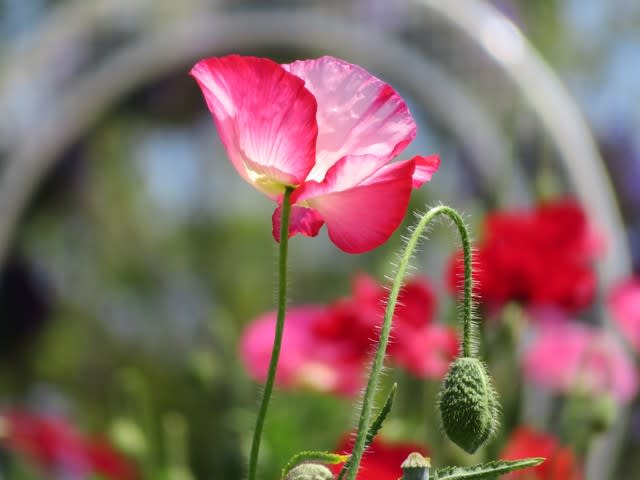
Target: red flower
57, 446
382, 460
560, 463
327, 348
325, 127
539, 258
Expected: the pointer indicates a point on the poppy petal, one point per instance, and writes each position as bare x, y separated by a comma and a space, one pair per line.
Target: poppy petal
358, 114
425, 168
302, 220
265, 116
361, 218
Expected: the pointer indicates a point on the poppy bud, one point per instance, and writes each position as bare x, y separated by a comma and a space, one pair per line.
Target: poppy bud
309, 471
469, 407
589, 414
416, 467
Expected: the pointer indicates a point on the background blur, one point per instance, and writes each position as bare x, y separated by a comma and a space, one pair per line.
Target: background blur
132, 255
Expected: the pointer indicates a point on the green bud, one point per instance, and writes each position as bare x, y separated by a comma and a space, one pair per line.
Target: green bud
309, 471
603, 413
469, 407
590, 413
416, 467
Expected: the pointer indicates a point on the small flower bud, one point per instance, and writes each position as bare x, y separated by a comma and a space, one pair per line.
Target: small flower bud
309, 471
589, 413
604, 413
416, 467
468, 403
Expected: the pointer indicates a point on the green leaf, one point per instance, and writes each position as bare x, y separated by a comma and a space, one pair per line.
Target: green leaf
313, 456
486, 470
375, 427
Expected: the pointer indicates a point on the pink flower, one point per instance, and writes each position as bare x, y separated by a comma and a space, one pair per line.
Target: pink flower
624, 304
327, 348
326, 128
569, 356
306, 361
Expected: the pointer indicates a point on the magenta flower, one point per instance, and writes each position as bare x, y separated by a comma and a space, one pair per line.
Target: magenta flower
328, 348
306, 361
569, 356
624, 304
325, 127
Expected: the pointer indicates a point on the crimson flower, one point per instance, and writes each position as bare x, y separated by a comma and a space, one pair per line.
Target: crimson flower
569, 356
58, 448
327, 348
624, 304
382, 459
326, 128
540, 258
560, 463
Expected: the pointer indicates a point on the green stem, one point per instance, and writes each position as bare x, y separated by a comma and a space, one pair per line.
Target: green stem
376, 367
277, 342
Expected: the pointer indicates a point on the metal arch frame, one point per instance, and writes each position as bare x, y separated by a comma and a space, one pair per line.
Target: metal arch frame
558, 114
161, 52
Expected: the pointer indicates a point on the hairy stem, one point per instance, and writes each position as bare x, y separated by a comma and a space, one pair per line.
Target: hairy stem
376, 366
277, 342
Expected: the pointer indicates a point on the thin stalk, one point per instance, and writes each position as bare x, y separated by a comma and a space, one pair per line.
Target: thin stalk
376, 366
277, 342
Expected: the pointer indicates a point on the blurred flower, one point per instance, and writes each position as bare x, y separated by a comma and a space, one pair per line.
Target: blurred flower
381, 460
572, 356
560, 463
327, 348
540, 258
326, 127
61, 450
624, 304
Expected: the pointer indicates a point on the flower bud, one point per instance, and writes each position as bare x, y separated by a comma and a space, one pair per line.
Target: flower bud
309, 471
416, 467
589, 413
469, 407
604, 413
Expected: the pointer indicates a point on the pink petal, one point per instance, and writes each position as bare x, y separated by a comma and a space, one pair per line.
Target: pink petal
257, 342
425, 168
307, 360
425, 352
303, 220
358, 114
265, 117
361, 218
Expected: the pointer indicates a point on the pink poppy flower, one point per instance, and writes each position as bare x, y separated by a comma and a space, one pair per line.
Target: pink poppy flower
569, 356
327, 348
326, 128
624, 304
306, 361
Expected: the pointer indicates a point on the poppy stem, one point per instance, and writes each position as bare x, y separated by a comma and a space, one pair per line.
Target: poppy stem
378, 360
277, 342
